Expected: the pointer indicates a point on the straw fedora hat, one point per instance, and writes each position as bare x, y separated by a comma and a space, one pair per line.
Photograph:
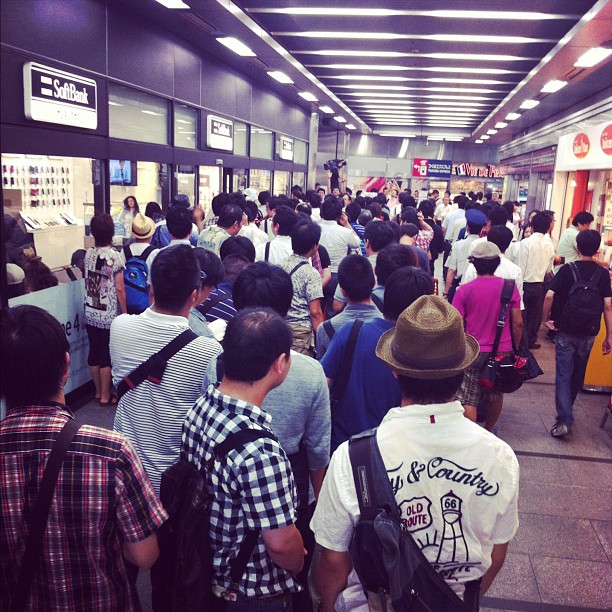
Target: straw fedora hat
428, 341
142, 227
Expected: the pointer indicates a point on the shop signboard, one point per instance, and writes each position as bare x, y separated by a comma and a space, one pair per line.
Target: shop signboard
55, 96
478, 170
542, 160
589, 149
220, 133
286, 148
66, 303
432, 168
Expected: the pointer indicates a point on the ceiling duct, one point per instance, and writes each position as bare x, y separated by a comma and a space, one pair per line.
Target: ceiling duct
257, 62
199, 23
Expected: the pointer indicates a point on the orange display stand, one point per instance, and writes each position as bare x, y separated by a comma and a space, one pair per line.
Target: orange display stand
598, 375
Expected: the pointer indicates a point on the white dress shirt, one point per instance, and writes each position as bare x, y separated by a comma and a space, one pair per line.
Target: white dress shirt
535, 257
338, 241
280, 249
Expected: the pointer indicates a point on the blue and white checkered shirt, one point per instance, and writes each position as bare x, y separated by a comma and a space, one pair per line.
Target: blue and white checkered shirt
252, 486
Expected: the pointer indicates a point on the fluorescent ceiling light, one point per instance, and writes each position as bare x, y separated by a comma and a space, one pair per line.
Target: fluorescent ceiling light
174, 4
512, 116
340, 119
111, 103
484, 137
326, 109
482, 38
281, 77
183, 121
350, 126
150, 112
530, 104
396, 135
238, 47
491, 132
592, 56
365, 89
477, 57
500, 124
553, 86
307, 96
479, 141
376, 77
396, 68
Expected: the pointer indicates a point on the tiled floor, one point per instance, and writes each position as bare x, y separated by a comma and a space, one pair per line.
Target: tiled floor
561, 558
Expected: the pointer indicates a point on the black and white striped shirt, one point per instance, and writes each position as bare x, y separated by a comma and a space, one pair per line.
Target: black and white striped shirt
151, 416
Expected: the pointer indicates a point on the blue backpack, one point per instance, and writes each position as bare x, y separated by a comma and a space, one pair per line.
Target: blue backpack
135, 278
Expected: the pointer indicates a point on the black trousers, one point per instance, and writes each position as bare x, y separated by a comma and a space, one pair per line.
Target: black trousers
533, 298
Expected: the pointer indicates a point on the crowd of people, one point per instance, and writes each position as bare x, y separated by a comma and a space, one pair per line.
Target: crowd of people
310, 319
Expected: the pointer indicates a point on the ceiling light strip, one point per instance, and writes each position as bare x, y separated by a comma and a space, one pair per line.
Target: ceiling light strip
480, 38
356, 53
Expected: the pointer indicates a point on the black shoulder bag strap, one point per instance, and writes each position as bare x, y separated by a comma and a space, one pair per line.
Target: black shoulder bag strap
154, 367
377, 301
329, 329
297, 267
209, 304
341, 381
506, 296
267, 251
232, 442
40, 512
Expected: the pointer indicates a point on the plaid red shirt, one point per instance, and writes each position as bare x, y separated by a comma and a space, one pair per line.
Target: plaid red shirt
102, 499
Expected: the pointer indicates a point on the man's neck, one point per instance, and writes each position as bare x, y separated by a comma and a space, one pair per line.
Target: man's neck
406, 401
367, 302
585, 258
182, 313
252, 393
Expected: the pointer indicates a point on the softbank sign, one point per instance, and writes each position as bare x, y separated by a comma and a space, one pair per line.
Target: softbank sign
55, 96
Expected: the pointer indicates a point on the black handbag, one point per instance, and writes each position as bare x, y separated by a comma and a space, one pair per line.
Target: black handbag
500, 373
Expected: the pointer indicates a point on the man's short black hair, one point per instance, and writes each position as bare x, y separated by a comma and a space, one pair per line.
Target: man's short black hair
218, 202
228, 215
331, 209
427, 207
405, 199
102, 229
408, 229
588, 242
379, 234
353, 210
409, 215
541, 222
434, 391
285, 218
253, 340
508, 206
475, 228
211, 266
304, 236
234, 264
179, 221
175, 274
34, 347
498, 215
364, 217
237, 244
393, 257
264, 197
486, 266
250, 210
501, 236
582, 218
263, 285
356, 277
275, 201
403, 287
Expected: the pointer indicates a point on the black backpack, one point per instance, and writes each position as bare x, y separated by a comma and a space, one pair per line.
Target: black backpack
584, 305
184, 539
385, 556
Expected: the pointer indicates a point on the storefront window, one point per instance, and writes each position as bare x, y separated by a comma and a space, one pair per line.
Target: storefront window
145, 185
185, 181
209, 186
260, 179
299, 179
281, 183
135, 115
241, 144
262, 143
300, 152
240, 179
47, 203
185, 122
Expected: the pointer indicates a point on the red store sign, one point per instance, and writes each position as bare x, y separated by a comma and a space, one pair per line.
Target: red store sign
581, 145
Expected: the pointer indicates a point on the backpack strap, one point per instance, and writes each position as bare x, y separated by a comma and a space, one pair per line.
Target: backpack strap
267, 251
210, 303
297, 267
145, 254
377, 301
127, 252
341, 381
154, 367
574, 270
232, 442
329, 329
40, 513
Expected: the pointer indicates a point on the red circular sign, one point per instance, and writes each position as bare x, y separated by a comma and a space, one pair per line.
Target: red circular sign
606, 139
581, 145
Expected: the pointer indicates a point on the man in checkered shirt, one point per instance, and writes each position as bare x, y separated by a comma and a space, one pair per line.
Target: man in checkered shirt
252, 486
104, 513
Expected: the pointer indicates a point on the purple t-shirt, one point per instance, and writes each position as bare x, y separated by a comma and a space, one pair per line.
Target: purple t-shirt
479, 303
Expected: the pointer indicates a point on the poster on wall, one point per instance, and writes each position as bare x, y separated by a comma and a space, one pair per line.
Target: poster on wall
219, 133
589, 149
66, 303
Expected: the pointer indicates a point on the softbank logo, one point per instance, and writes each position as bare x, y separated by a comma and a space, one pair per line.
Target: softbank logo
64, 91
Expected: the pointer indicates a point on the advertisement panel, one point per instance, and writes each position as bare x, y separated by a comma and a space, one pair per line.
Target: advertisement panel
589, 149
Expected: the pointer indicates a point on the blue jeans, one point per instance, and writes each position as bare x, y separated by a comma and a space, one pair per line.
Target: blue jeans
571, 357
281, 603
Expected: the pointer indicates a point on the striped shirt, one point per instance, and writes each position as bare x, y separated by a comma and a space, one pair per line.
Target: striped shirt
223, 309
151, 415
252, 487
102, 499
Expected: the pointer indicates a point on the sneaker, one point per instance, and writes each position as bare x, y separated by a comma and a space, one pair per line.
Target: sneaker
559, 430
